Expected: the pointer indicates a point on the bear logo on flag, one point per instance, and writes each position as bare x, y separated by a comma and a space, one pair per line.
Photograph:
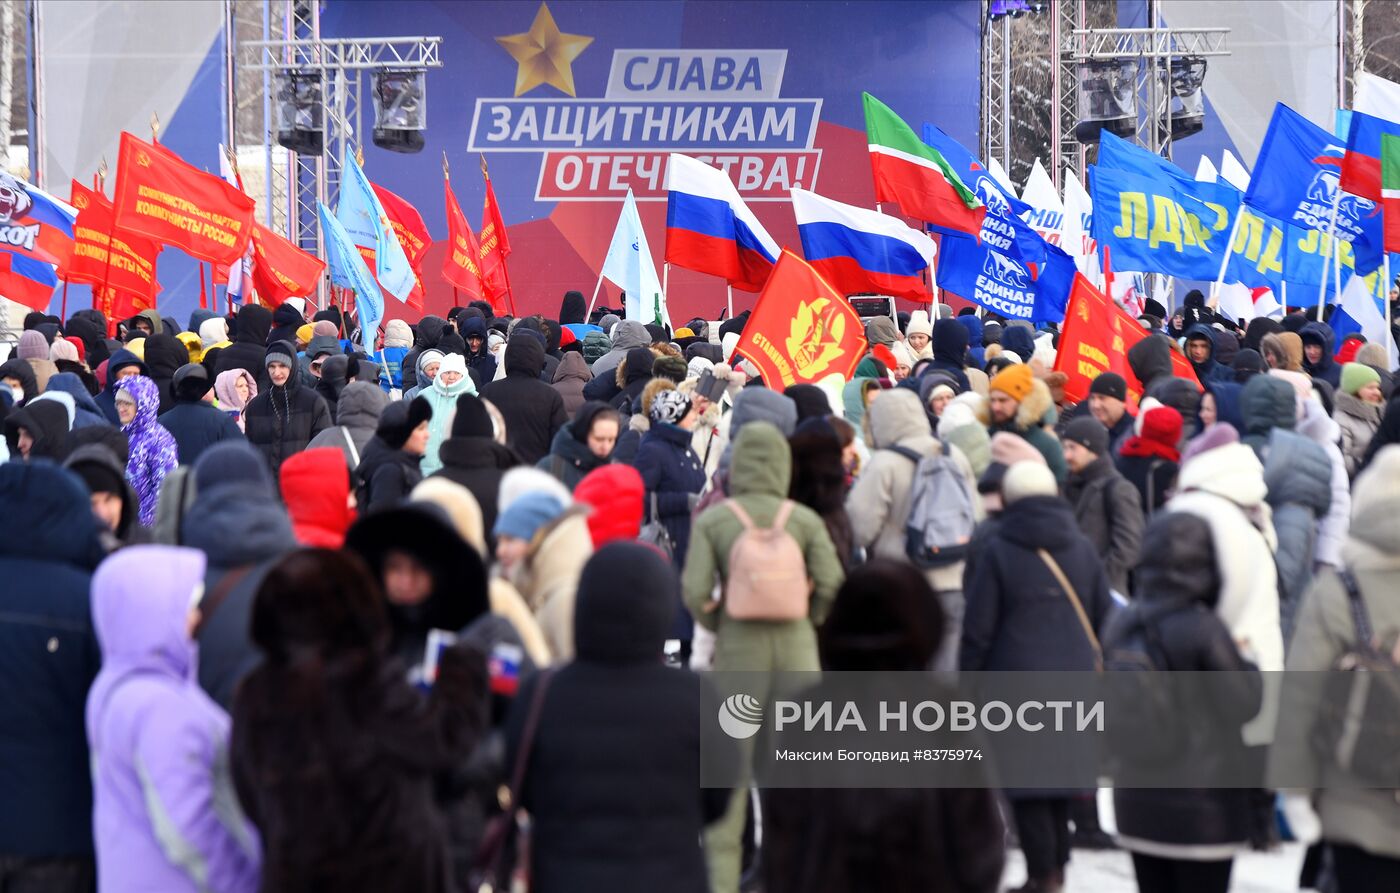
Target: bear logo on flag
814, 341
15, 202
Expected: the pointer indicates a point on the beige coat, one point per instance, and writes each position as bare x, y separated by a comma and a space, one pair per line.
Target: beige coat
547, 578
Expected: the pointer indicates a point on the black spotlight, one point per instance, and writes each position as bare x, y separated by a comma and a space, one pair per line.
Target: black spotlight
301, 111
400, 109
1187, 98
1107, 99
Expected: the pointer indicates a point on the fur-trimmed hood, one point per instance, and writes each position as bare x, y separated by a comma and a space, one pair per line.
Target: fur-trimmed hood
1032, 411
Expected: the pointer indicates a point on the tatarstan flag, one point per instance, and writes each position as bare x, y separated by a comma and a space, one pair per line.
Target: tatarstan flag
915, 176
1390, 189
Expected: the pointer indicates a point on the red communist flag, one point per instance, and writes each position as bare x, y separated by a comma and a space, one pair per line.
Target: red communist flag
103, 255
493, 249
281, 270
413, 235
460, 264
1096, 337
161, 197
801, 330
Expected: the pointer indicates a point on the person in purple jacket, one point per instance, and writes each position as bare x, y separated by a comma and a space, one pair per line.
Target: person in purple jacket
165, 814
153, 452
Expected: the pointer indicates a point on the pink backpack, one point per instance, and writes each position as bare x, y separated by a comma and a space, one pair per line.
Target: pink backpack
767, 571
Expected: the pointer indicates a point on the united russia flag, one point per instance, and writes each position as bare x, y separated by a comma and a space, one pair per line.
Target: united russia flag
709, 229
859, 250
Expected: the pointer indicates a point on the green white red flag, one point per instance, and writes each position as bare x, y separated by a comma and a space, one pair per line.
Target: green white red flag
916, 176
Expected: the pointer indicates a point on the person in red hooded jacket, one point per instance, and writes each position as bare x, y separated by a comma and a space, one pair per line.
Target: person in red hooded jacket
316, 489
614, 493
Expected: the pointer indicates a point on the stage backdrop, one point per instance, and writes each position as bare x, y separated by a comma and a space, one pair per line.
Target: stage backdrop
768, 90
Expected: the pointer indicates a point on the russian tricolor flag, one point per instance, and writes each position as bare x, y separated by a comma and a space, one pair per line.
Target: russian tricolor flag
709, 229
859, 250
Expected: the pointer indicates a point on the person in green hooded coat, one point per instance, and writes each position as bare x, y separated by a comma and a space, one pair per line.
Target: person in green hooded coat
452, 382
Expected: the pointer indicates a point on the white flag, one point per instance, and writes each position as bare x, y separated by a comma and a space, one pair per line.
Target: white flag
999, 174
1075, 231
1359, 312
1205, 170
1233, 172
1377, 96
1047, 211
629, 266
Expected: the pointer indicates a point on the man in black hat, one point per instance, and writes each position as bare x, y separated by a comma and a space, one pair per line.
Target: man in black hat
193, 421
1107, 507
1108, 402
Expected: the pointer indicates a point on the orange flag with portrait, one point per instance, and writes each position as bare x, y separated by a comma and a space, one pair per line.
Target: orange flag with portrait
801, 330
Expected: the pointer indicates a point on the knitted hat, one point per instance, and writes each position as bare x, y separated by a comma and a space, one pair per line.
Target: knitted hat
528, 514
280, 352
33, 346
472, 419
1014, 381
63, 349
1356, 376
902, 355
1218, 435
684, 332
212, 331
306, 333
1025, 479
1089, 433
298, 303
399, 418
1159, 424
919, 324
453, 362
1006, 449
669, 406
1110, 384
673, 368
78, 346
322, 328
100, 477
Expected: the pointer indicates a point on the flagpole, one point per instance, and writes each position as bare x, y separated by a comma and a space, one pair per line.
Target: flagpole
665, 280
1229, 252
729, 299
1385, 296
596, 289
63, 308
1326, 258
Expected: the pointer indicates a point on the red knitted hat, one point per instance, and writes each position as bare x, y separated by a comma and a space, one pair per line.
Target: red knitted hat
1160, 424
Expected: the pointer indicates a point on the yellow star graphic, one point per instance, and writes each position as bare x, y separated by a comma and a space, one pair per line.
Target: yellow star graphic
544, 54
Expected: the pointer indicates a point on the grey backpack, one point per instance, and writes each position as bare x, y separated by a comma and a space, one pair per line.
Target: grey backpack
941, 518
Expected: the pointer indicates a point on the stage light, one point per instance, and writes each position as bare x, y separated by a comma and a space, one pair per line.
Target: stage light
400, 109
1107, 99
1187, 98
301, 111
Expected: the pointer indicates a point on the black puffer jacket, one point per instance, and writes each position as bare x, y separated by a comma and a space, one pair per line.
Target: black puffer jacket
1177, 587
570, 459
1151, 359
611, 782
386, 475
533, 410
281, 421
165, 355
477, 463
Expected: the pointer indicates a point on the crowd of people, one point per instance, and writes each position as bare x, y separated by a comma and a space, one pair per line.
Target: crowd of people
286, 615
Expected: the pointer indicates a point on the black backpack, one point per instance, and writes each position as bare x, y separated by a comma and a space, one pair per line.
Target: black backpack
1144, 727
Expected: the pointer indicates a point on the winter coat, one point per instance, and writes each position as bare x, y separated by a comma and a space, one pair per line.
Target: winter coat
478, 463
165, 814
1225, 488
242, 529
1151, 476
48, 658
1358, 421
335, 762
1317, 426
547, 577
282, 421
1177, 587
1351, 811
1298, 476
615, 494
759, 479
386, 475
106, 399
196, 426
1210, 369
335, 370
533, 411
315, 486
1151, 359
672, 474
881, 499
481, 364
249, 347
628, 334
86, 412
611, 782
976, 353
356, 416
1108, 510
442, 397
46, 420
569, 460
1018, 615
569, 380
153, 453
950, 351
1028, 424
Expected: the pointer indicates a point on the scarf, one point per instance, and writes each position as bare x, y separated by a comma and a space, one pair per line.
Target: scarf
1142, 447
